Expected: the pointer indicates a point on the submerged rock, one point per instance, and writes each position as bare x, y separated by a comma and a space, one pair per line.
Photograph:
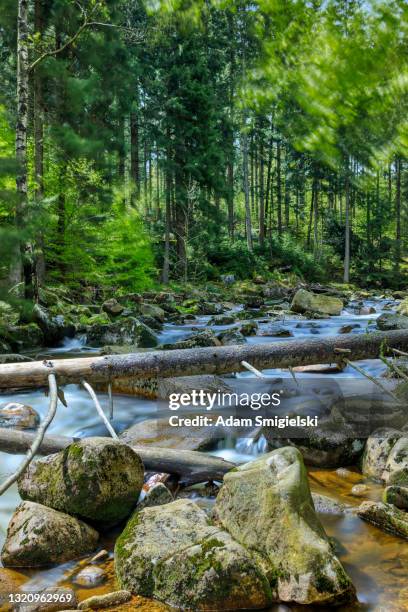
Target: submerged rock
305, 301
174, 554
129, 331
39, 536
90, 576
385, 516
18, 416
98, 602
266, 505
99, 479
377, 450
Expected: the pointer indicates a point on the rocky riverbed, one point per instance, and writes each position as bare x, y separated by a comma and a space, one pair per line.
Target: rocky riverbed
366, 557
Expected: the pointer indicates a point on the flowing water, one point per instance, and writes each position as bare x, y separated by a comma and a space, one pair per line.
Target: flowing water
376, 562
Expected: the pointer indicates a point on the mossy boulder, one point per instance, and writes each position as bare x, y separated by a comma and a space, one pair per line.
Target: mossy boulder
230, 337
203, 338
112, 307
151, 310
306, 301
249, 328
385, 516
266, 505
98, 479
23, 337
377, 450
396, 468
54, 327
225, 319
123, 331
173, 553
398, 496
402, 308
39, 536
389, 321
330, 445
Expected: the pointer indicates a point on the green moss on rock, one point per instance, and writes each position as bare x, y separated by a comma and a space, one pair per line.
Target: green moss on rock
97, 478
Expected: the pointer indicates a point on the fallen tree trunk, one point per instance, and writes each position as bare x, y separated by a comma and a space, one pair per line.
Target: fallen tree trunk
190, 466
212, 360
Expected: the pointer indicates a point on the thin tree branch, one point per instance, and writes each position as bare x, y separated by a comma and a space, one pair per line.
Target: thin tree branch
39, 437
99, 409
373, 380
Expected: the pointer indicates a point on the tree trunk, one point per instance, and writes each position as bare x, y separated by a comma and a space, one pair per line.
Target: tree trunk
346, 276
134, 154
279, 185
166, 259
212, 360
397, 261
261, 191
248, 223
39, 151
24, 264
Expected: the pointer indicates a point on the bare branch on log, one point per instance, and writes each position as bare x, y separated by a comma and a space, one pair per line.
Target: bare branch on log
373, 380
99, 409
39, 436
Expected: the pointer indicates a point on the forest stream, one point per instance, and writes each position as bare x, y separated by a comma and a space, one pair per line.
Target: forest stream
376, 562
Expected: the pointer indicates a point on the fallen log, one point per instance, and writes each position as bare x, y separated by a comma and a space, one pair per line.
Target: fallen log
212, 360
190, 466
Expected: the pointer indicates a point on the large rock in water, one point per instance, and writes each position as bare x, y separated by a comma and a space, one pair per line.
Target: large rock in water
402, 308
396, 468
174, 554
54, 328
386, 517
266, 505
98, 479
305, 301
377, 450
19, 416
38, 536
389, 321
124, 331
329, 445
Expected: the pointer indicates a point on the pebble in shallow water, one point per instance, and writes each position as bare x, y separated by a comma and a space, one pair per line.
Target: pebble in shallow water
90, 576
360, 490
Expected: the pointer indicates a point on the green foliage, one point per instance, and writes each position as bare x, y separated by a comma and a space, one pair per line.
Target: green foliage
126, 253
